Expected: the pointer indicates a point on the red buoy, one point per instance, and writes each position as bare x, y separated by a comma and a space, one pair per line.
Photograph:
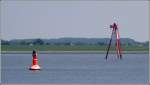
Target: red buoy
35, 65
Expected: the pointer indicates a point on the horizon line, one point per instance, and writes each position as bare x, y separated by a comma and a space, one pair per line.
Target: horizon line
71, 37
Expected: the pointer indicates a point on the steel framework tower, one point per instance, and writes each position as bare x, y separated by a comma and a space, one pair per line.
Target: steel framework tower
115, 31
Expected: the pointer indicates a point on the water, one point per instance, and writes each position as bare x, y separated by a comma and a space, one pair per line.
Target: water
76, 68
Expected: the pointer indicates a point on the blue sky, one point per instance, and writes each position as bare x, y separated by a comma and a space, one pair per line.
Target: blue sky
89, 19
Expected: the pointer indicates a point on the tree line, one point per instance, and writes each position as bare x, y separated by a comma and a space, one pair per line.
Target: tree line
72, 41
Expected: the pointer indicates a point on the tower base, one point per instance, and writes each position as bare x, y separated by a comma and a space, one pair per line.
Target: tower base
35, 67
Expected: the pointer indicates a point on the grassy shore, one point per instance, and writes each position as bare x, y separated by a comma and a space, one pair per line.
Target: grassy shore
68, 48
73, 52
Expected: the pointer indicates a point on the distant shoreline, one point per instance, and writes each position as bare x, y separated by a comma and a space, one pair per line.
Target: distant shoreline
73, 52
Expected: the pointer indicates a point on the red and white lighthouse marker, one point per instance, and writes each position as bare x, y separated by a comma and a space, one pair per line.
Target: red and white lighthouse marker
118, 46
35, 65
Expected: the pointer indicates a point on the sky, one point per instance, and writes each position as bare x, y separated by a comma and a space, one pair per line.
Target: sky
88, 19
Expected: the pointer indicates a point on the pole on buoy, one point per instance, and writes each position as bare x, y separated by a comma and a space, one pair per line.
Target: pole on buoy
118, 46
35, 65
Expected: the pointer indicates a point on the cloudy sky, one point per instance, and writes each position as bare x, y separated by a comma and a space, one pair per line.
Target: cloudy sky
90, 19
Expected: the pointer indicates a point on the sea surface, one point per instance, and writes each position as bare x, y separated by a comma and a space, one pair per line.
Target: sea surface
75, 69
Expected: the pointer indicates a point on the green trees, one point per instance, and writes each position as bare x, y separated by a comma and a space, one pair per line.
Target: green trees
38, 42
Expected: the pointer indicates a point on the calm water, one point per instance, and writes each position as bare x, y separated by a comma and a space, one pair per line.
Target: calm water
76, 68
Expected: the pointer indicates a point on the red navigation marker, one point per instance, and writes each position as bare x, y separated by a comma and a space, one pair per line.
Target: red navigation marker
35, 65
118, 46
